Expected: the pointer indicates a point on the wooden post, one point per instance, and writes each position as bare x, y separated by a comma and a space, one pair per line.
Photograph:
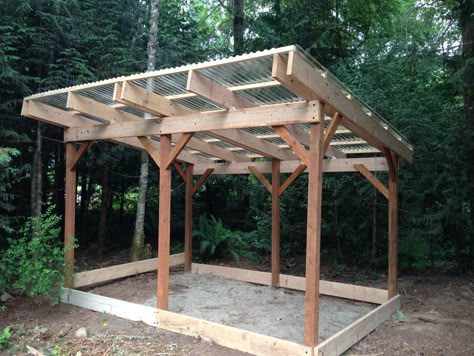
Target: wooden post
392, 225
275, 223
70, 214
164, 224
188, 219
313, 238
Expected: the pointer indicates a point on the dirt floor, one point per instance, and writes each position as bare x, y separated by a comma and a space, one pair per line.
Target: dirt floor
262, 309
437, 319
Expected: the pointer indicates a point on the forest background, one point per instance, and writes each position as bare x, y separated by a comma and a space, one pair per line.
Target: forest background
410, 60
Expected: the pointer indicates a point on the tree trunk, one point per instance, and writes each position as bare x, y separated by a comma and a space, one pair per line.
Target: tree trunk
139, 234
238, 27
104, 209
36, 175
467, 28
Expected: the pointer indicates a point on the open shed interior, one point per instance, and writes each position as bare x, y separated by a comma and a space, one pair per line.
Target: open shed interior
270, 112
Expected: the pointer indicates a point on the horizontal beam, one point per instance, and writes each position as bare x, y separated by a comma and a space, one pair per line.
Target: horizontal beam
304, 80
106, 274
270, 115
335, 289
238, 339
329, 166
347, 337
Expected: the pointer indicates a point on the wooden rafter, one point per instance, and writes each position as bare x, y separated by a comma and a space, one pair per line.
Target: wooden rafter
301, 78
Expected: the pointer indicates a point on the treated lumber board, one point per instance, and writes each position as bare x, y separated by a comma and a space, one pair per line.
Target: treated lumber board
80, 152
214, 150
164, 218
344, 339
188, 219
147, 101
296, 173
392, 224
106, 274
294, 144
313, 233
101, 304
275, 187
372, 179
301, 77
271, 115
242, 340
220, 95
329, 166
249, 142
201, 180
180, 171
51, 115
334, 289
176, 150
70, 213
233, 136
149, 147
331, 130
261, 178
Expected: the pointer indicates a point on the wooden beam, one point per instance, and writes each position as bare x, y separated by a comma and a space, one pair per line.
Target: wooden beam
152, 151
303, 137
147, 101
107, 274
180, 171
51, 115
164, 224
275, 187
242, 340
184, 139
372, 179
188, 219
70, 214
392, 225
249, 142
270, 115
261, 178
80, 152
313, 234
331, 130
294, 144
215, 150
296, 173
218, 94
347, 337
334, 289
265, 167
228, 99
201, 180
304, 80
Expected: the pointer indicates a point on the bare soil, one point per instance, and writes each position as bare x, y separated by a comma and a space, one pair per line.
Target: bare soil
437, 319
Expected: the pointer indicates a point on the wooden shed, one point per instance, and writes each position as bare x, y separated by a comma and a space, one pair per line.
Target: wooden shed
216, 117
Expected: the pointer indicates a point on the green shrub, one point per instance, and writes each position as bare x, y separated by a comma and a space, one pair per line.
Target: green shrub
34, 262
5, 337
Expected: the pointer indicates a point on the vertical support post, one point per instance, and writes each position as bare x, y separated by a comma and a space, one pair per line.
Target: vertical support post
313, 232
188, 219
275, 223
392, 225
164, 224
70, 213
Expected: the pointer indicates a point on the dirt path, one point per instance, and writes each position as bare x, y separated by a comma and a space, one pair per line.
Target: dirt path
439, 312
